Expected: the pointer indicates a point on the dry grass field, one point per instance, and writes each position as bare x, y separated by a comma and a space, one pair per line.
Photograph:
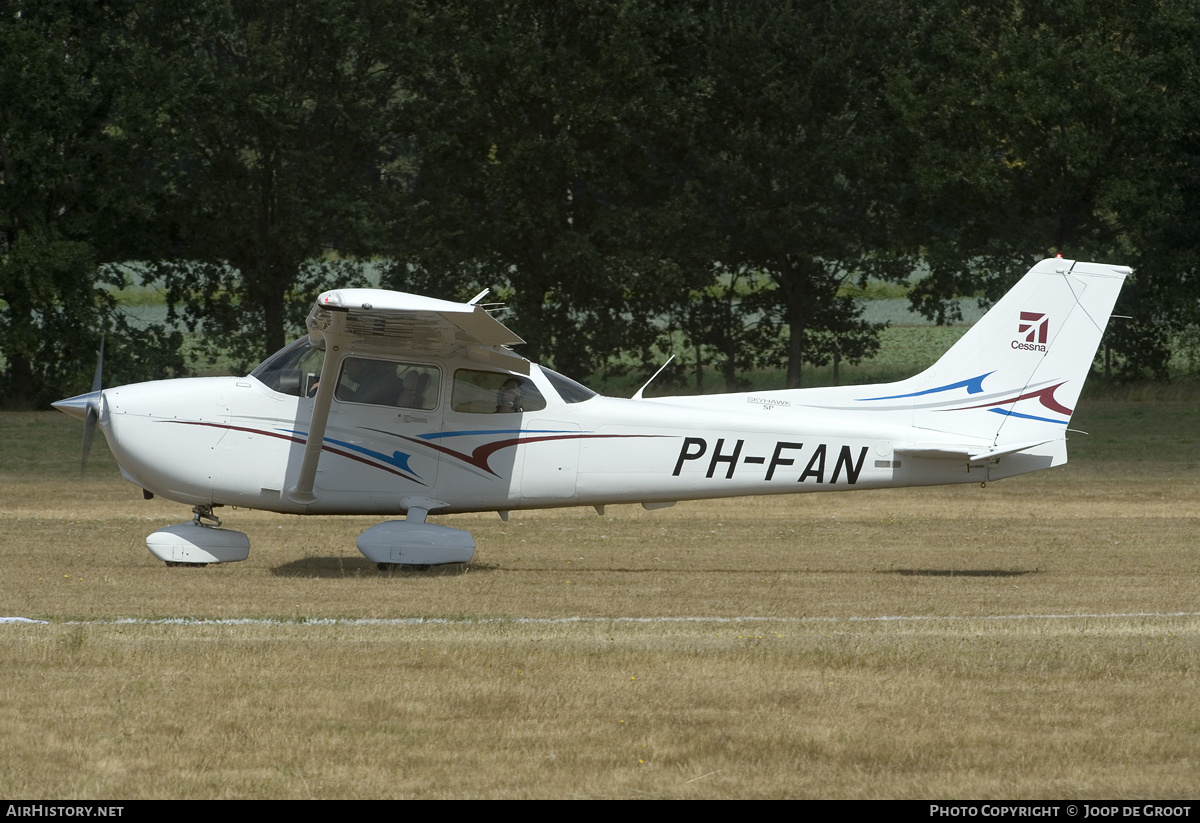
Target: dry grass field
1036, 638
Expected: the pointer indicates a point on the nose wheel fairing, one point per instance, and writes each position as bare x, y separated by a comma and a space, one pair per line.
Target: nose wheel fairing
193, 544
198, 543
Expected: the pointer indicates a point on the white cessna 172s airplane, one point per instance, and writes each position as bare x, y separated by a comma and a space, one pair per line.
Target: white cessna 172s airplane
400, 404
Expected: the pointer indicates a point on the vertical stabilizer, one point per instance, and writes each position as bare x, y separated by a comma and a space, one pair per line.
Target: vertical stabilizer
1016, 375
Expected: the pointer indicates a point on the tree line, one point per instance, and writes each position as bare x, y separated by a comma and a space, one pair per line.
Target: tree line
713, 173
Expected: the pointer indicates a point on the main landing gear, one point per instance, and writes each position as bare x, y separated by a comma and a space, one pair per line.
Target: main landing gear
414, 544
416, 567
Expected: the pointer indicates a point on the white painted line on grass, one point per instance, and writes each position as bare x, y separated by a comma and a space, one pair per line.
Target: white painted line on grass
550, 621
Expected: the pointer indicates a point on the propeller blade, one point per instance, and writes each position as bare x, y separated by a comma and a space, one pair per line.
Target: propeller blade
96, 381
89, 431
93, 411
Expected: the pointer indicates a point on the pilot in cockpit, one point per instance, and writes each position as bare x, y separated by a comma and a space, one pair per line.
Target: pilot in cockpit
368, 381
508, 398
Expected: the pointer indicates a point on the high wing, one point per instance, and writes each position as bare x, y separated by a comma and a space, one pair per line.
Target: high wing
376, 319
350, 321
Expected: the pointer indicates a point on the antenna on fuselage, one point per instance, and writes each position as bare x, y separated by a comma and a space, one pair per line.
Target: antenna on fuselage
638, 394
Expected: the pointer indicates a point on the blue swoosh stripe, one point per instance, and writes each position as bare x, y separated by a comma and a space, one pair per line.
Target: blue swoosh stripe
973, 385
1027, 416
398, 459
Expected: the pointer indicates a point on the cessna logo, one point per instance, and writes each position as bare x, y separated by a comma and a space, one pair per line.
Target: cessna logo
1035, 328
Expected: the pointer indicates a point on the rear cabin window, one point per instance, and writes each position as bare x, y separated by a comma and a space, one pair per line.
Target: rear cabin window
489, 392
387, 383
569, 390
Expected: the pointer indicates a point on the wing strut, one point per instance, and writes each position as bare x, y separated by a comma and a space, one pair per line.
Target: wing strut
302, 492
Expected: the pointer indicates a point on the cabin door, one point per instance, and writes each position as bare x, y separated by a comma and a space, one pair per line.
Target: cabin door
382, 412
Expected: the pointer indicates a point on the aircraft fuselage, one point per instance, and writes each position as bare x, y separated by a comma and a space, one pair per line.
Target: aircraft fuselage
233, 441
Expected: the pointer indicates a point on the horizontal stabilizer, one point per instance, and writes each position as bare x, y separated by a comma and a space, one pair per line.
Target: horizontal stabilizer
972, 453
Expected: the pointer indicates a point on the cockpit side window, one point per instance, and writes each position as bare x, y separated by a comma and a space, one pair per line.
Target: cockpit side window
488, 392
388, 383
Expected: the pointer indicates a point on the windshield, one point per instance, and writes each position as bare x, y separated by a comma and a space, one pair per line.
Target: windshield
294, 369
